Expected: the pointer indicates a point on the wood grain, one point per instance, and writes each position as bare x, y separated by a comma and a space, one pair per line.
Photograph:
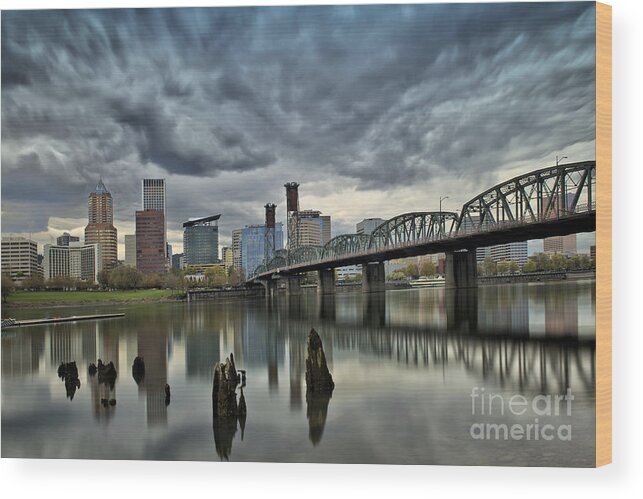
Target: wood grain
603, 234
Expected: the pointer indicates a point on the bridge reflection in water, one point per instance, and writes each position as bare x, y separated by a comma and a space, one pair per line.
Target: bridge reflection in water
521, 338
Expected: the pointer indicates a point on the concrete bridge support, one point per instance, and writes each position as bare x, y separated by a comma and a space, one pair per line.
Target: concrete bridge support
326, 281
270, 287
293, 285
373, 277
461, 269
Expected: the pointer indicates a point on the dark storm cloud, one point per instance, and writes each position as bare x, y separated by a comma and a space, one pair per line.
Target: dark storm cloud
375, 96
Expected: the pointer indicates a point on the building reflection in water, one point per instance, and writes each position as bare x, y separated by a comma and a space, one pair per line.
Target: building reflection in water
534, 338
152, 346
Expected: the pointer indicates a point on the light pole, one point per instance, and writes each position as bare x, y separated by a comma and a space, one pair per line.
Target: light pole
558, 160
441, 220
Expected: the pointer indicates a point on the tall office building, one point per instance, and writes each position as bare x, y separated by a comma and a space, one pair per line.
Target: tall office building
517, 252
130, 250
177, 261
66, 238
20, 258
150, 242
368, 225
227, 256
80, 261
564, 245
201, 240
314, 228
253, 240
154, 196
236, 248
100, 228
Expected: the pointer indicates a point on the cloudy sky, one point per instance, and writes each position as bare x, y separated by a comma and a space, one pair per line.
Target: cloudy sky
374, 110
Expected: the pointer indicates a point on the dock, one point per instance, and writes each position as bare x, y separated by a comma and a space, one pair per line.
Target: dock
10, 323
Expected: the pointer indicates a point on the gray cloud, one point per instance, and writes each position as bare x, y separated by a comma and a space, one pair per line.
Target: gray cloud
230, 103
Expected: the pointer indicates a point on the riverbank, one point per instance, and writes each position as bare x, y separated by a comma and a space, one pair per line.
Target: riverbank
26, 299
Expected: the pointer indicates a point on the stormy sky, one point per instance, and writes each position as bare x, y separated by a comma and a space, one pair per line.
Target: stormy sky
374, 110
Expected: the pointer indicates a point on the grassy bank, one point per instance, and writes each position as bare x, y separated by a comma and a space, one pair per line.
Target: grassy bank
27, 298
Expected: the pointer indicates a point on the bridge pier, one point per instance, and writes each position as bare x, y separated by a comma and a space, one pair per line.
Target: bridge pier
293, 285
461, 269
326, 281
373, 277
270, 287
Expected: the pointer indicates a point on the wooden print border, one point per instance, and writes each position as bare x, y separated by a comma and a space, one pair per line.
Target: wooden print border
603, 234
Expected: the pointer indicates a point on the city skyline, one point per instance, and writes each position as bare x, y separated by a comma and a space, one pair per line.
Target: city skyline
432, 112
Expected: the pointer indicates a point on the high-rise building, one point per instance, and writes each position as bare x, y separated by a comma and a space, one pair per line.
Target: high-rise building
177, 261
253, 239
565, 245
368, 225
236, 248
130, 250
100, 228
201, 240
314, 228
516, 252
154, 198
20, 258
227, 256
592, 253
80, 261
66, 238
150, 242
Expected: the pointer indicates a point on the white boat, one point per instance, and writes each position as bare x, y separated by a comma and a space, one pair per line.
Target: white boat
427, 282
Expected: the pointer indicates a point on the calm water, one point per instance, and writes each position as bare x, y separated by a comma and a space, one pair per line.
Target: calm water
405, 365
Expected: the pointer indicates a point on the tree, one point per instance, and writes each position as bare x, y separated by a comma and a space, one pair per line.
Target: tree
216, 276
125, 277
411, 270
103, 278
489, 266
396, 276
502, 267
34, 282
542, 261
7, 287
174, 279
530, 266
152, 281
557, 262
427, 268
234, 277
513, 266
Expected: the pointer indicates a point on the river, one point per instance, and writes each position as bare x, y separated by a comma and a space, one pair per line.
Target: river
499, 376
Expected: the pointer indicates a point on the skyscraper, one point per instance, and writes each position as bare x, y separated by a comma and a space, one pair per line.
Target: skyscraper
565, 245
314, 228
154, 195
100, 229
81, 261
236, 249
66, 238
253, 239
368, 225
150, 242
130, 250
201, 241
20, 258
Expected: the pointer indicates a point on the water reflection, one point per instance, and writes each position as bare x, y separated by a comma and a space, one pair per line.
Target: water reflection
317, 412
527, 338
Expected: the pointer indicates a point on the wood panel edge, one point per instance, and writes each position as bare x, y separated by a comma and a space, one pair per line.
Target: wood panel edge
603, 234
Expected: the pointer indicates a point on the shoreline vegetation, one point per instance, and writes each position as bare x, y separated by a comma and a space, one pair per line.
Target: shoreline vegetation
26, 299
